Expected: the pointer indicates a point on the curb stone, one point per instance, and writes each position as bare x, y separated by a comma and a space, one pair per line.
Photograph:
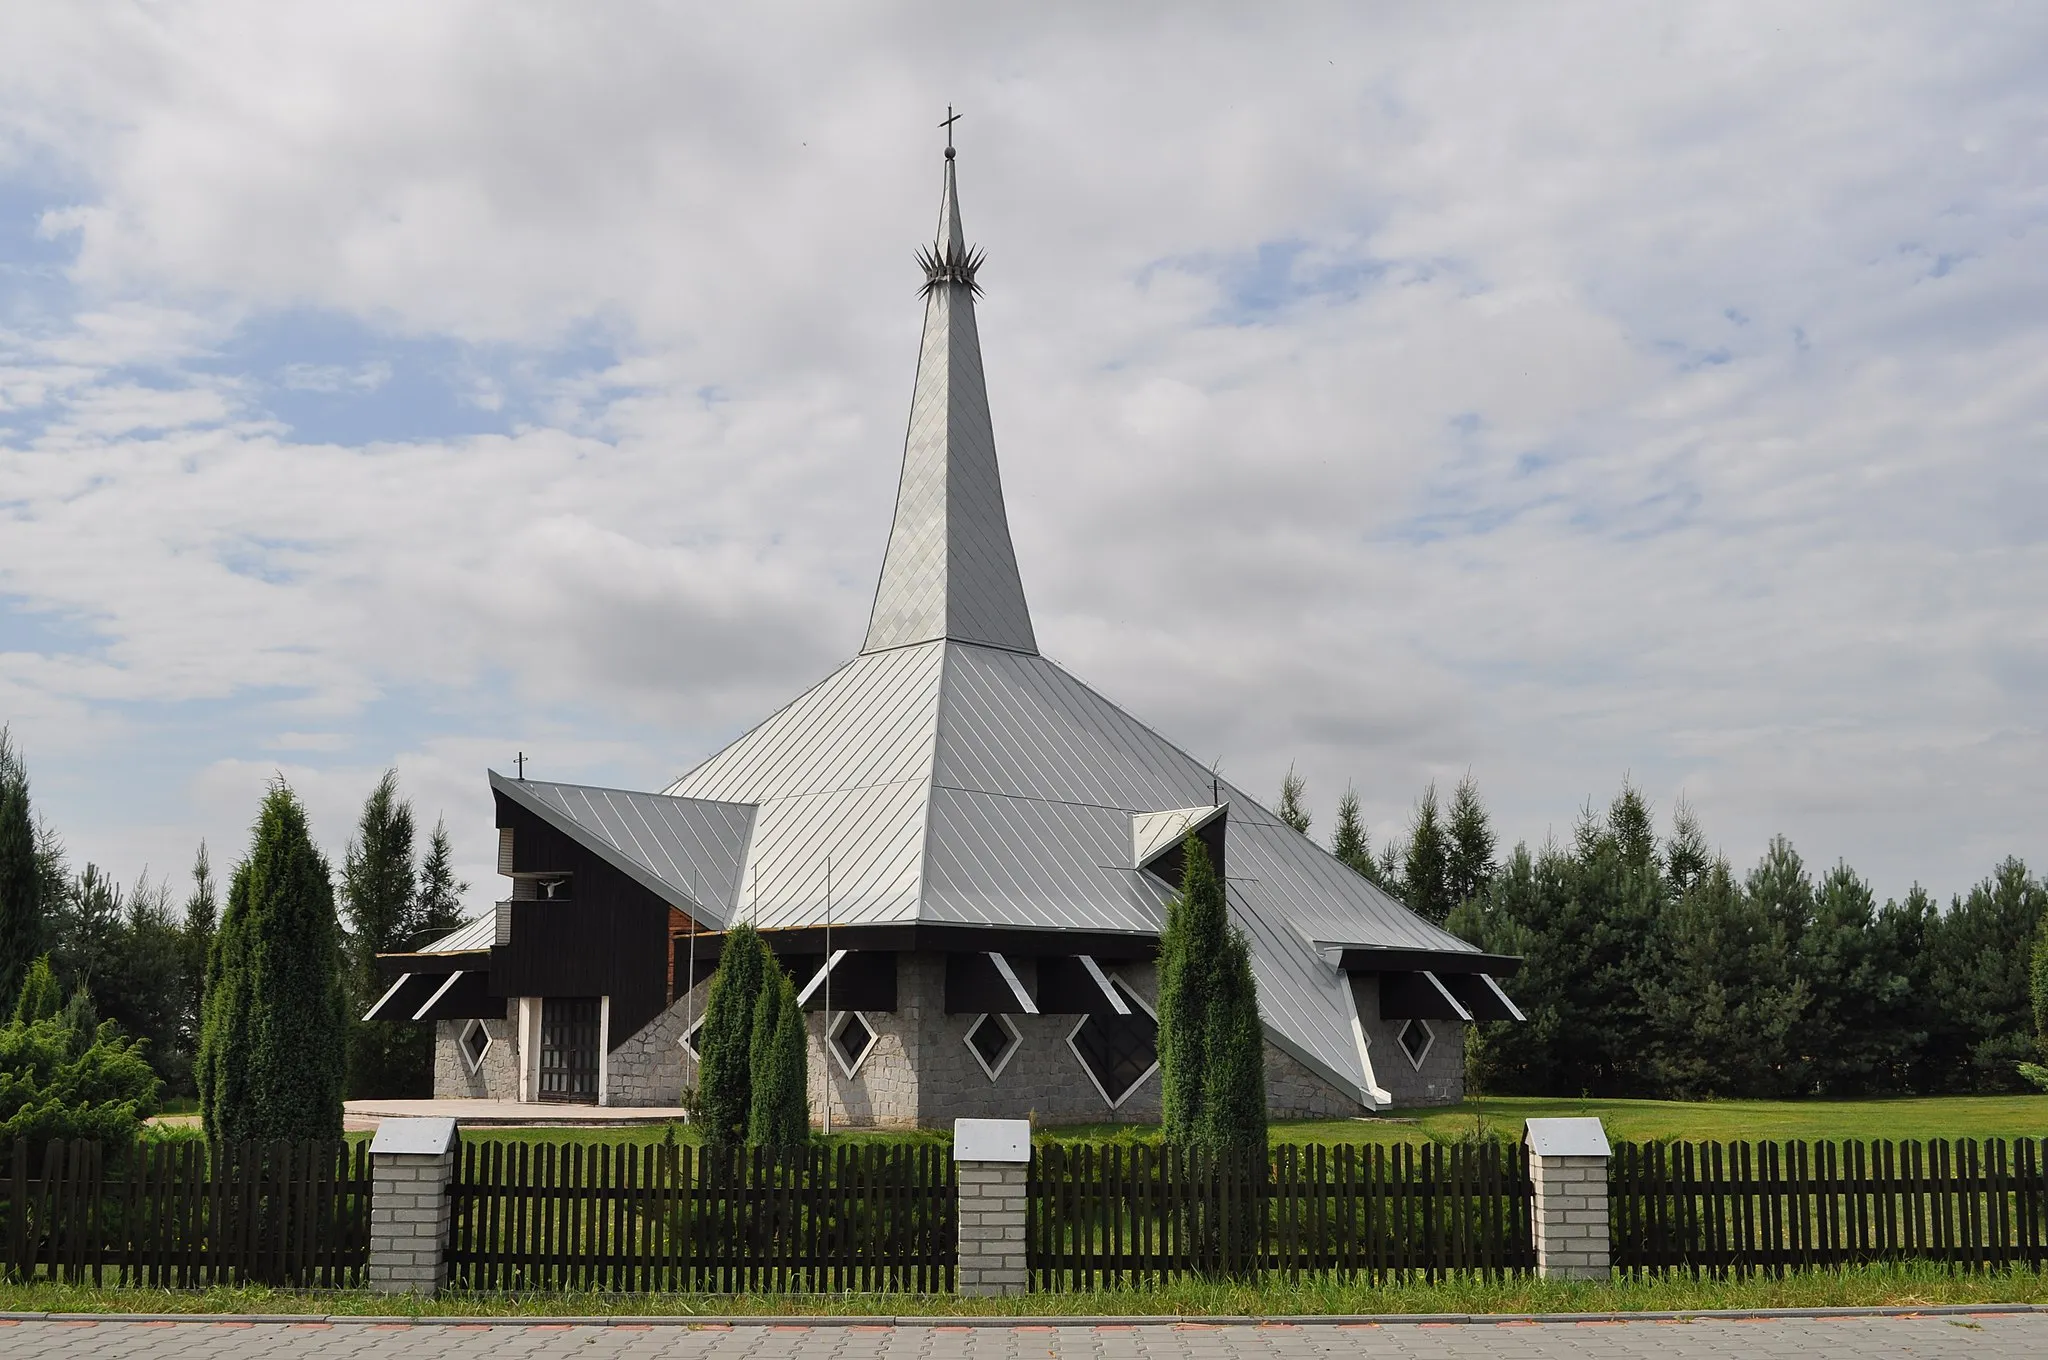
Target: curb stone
1054, 1320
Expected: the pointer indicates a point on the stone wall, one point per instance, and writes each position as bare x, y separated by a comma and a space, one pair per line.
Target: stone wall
921, 1071
497, 1079
1441, 1078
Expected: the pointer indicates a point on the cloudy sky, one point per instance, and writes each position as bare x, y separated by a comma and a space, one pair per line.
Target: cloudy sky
1552, 392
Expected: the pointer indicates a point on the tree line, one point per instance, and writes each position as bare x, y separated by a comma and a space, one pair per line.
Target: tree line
1652, 967
220, 995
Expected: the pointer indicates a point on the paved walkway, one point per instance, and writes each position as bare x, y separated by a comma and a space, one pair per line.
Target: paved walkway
366, 1114
1995, 1335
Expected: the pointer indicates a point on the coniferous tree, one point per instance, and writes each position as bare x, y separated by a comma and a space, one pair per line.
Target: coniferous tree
2037, 1073
1350, 843
725, 1090
1292, 811
1686, 855
23, 874
272, 1059
1468, 854
1233, 1110
1859, 1015
1978, 980
1425, 884
1723, 1003
1190, 951
202, 921
438, 907
780, 1114
385, 1058
40, 997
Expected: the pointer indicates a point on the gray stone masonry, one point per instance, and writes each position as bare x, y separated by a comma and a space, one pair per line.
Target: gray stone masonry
991, 1210
409, 1219
1571, 1225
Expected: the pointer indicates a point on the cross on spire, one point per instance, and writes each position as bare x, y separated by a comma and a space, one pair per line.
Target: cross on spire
951, 118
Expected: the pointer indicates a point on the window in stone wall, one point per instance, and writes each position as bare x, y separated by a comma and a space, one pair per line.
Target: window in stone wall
690, 1039
1415, 1039
475, 1043
1118, 1051
993, 1040
853, 1038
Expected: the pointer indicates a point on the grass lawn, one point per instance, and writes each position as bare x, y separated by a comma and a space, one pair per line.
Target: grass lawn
1908, 1285
1502, 1116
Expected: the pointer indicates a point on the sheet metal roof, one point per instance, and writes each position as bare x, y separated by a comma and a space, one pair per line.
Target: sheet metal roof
688, 851
951, 775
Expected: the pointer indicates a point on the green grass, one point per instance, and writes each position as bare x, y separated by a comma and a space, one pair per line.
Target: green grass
1909, 1285
1501, 1117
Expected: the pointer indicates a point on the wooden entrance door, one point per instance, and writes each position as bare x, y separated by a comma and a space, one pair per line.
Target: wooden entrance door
568, 1048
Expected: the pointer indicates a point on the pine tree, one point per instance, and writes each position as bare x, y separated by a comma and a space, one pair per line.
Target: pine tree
23, 884
438, 907
1468, 858
1686, 854
1349, 843
272, 1056
1425, 869
1292, 789
1190, 951
780, 1115
725, 1091
1979, 961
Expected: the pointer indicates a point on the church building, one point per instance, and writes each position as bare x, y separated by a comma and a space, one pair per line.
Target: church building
961, 853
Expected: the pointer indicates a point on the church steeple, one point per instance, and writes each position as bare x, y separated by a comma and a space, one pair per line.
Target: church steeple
950, 571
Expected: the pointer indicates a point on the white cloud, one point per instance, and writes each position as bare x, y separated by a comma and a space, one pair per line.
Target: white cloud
1567, 394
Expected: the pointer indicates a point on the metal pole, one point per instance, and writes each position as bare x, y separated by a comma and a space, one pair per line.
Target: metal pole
828, 996
690, 974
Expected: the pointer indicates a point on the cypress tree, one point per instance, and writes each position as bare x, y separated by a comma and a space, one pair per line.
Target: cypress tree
780, 1117
1292, 789
725, 1091
273, 1043
23, 889
1191, 949
1233, 1114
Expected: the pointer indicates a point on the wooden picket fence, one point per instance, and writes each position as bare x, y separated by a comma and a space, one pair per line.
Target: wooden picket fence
1748, 1208
576, 1216
185, 1215
1106, 1216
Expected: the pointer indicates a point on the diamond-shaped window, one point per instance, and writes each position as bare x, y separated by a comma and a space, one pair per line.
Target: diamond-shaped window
1415, 1039
853, 1038
1118, 1051
993, 1040
475, 1043
691, 1037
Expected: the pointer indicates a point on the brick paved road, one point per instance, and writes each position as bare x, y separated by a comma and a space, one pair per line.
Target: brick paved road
1992, 1335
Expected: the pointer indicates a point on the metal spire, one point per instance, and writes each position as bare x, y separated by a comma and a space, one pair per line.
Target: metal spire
951, 571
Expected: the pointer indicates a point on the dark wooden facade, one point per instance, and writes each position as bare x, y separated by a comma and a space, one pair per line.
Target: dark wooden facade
608, 936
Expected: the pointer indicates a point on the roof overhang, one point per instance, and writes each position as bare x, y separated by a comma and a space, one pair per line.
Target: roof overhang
912, 937
1364, 959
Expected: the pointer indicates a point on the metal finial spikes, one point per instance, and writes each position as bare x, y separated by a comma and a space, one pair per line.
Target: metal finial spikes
951, 118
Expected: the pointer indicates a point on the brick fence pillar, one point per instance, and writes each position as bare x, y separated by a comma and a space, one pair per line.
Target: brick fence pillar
993, 1169
412, 1162
1568, 1163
